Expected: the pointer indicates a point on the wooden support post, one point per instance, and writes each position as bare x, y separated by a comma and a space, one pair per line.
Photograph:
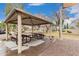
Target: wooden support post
50, 31
19, 34
32, 25
6, 31
50, 27
60, 26
32, 29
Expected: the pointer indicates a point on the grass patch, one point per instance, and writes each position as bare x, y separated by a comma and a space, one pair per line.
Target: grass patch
66, 35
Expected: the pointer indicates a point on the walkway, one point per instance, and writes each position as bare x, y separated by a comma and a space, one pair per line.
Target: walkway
58, 48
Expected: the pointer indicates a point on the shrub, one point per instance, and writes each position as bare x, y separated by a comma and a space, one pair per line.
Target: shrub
63, 31
69, 31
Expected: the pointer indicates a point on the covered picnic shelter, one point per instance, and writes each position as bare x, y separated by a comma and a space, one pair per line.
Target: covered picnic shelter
20, 17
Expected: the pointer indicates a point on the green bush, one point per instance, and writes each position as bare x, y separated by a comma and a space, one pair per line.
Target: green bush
69, 31
63, 30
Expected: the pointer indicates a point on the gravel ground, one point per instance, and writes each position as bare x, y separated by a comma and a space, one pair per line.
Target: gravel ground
57, 48
2, 36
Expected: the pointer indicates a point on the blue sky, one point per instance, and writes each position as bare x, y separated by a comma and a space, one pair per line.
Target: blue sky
2, 9
44, 9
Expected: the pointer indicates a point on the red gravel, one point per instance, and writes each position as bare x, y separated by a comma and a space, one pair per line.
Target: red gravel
63, 48
58, 48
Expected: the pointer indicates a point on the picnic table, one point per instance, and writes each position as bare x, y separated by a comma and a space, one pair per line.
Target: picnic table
26, 38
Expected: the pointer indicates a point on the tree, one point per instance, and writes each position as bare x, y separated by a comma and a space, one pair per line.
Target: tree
9, 7
77, 24
2, 25
57, 20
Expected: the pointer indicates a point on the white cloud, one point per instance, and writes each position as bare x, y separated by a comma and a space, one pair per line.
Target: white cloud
35, 4
74, 10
